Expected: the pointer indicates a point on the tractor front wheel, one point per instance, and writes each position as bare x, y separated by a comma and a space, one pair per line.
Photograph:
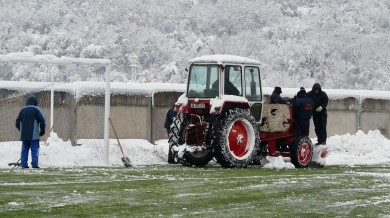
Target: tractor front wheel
301, 151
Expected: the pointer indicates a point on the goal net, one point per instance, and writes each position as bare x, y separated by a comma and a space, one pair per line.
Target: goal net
72, 92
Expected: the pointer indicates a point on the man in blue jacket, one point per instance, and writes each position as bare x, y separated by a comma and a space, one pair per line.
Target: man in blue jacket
302, 111
320, 115
29, 121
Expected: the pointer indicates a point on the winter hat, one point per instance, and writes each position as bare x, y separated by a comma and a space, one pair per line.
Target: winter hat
316, 86
278, 90
32, 101
301, 92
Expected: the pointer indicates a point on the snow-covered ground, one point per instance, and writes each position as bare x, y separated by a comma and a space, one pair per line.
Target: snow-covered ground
358, 149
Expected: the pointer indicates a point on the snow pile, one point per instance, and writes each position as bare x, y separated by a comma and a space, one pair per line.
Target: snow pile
350, 150
359, 149
58, 153
278, 163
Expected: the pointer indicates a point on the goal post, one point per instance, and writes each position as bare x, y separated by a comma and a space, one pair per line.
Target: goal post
79, 82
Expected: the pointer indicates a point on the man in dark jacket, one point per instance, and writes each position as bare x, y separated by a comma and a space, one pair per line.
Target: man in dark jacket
320, 115
29, 121
169, 118
302, 111
275, 96
167, 125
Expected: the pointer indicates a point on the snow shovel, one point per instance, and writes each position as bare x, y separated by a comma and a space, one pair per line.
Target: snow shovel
54, 123
126, 161
17, 164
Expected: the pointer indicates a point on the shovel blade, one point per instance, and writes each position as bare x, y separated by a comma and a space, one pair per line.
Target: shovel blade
126, 161
14, 164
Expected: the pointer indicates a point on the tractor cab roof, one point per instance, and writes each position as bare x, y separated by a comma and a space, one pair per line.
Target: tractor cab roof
231, 59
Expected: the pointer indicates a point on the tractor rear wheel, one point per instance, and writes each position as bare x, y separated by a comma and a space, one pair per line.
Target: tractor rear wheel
177, 137
235, 138
301, 151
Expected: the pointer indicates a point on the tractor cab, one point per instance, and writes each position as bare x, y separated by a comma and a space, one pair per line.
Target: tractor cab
235, 78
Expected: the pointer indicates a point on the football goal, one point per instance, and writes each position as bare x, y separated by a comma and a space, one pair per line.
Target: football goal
74, 94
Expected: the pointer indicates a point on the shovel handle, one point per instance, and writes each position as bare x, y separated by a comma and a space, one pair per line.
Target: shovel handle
54, 123
116, 136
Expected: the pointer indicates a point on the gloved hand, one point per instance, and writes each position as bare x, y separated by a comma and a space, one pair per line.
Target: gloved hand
42, 133
319, 109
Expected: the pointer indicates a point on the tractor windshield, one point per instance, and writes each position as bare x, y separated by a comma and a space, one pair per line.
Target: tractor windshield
201, 80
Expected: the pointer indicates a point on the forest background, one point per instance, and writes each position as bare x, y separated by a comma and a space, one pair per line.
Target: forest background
343, 44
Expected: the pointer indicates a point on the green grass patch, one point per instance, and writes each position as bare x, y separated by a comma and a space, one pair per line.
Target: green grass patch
212, 191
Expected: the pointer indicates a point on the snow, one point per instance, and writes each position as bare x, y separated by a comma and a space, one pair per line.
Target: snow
151, 88
218, 102
278, 163
29, 57
334, 94
224, 59
346, 150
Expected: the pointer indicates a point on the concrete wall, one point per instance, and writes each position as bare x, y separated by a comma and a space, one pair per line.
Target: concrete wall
163, 101
132, 116
343, 117
375, 114
142, 116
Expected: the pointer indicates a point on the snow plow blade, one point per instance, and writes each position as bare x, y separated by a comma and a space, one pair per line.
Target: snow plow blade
319, 157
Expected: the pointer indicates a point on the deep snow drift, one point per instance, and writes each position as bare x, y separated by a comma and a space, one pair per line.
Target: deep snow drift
358, 149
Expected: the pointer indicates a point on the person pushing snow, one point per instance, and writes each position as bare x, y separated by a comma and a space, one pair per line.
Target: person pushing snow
29, 121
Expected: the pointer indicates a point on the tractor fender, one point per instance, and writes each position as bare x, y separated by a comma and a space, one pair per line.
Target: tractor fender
226, 102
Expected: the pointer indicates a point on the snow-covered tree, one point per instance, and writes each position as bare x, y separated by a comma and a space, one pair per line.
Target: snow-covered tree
341, 44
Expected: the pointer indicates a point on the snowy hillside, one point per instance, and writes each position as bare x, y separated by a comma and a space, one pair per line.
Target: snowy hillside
342, 44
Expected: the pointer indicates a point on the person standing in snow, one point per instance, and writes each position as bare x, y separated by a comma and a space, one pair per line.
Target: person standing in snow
167, 125
275, 96
302, 111
291, 100
28, 122
169, 118
320, 114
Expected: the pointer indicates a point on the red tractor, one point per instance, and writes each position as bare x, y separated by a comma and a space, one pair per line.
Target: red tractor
223, 115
